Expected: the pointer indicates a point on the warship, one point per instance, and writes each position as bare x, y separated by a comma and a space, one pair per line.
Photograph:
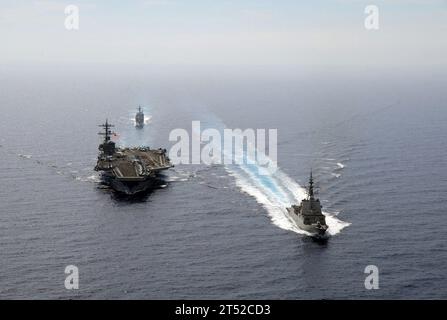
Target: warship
139, 118
307, 215
129, 170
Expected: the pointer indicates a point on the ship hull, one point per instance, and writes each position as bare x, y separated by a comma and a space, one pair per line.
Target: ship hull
139, 120
130, 187
133, 187
313, 229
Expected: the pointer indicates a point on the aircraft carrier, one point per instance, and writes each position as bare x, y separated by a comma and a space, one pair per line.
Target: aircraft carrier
129, 170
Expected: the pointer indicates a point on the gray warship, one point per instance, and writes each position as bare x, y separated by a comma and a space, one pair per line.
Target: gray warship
139, 118
129, 170
307, 216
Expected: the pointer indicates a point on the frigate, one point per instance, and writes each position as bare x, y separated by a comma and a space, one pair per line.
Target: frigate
129, 170
307, 215
139, 118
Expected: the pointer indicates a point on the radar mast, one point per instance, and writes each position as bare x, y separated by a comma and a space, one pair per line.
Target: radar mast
311, 187
107, 132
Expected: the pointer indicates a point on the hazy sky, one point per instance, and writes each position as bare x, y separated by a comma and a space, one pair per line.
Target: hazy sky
225, 32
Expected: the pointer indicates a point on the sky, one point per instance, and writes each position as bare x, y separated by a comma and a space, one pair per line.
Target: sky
225, 32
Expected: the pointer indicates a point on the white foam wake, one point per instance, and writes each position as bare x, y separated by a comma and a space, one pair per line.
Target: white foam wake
275, 191
340, 165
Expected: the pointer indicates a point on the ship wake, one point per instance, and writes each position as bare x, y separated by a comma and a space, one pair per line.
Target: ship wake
275, 191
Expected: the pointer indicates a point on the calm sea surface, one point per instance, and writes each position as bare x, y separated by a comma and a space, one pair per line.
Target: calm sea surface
377, 143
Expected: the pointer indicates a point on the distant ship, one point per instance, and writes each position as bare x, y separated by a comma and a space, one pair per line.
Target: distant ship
139, 118
129, 170
307, 215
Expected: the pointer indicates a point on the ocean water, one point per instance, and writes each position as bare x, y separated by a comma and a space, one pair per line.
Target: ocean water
375, 140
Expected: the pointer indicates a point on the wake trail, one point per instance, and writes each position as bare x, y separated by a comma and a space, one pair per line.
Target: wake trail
275, 191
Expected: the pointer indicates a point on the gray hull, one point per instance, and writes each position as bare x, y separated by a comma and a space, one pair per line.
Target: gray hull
139, 120
130, 188
312, 228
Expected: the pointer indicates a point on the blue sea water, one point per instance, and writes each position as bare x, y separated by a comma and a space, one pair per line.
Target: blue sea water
376, 141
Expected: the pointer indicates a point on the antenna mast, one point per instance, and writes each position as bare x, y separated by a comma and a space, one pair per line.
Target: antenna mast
107, 132
311, 186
